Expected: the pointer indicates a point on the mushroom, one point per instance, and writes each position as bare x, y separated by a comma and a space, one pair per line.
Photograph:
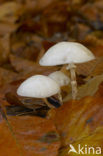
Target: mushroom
39, 86
68, 53
60, 78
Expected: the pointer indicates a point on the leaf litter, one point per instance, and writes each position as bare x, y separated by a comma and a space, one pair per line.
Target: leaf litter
27, 29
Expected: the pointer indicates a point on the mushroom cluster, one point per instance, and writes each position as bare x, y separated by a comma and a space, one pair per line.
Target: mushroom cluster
68, 53
40, 86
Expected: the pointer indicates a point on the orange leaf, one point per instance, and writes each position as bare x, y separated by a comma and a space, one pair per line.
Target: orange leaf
35, 136
79, 118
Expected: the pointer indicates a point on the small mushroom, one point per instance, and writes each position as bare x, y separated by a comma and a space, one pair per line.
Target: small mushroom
67, 53
39, 86
60, 78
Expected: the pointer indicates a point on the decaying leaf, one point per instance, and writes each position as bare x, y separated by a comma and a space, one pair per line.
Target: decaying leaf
35, 136
3, 101
98, 70
4, 48
9, 11
23, 65
86, 68
6, 76
88, 89
6, 135
37, 5
7, 28
79, 119
94, 141
27, 29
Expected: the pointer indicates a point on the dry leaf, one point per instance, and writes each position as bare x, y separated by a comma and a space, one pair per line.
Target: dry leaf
23, 65
79, 119
37, 5
86, 68
6, 76
94, 140
4, 48
9, 12
7, 28
35, 136
88, 89
3, 101
98, 70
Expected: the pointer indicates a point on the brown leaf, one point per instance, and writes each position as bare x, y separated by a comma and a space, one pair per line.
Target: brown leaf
4, 48
26, 46
94, 140
79, 119
93, 10
95, 44
37, 5
9, 12
6, 76
98, 70
6, 135
23, 65
88, 89
86, 68
3, 101
35, 136
7, 28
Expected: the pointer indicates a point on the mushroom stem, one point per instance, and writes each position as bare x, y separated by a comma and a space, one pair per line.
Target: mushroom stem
47, 103
60, 98
72, 67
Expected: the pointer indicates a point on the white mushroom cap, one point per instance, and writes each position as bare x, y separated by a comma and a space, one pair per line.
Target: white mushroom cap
66, 52
38, 86
60, 78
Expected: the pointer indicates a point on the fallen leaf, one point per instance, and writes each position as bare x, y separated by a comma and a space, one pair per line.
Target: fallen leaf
35, 136
3, 101
9, 12
23, 65
6, 135
98, 70
79, 119
4, 48
7, 28
6, 76
88, 89
95, 140
86, 68
37, 5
